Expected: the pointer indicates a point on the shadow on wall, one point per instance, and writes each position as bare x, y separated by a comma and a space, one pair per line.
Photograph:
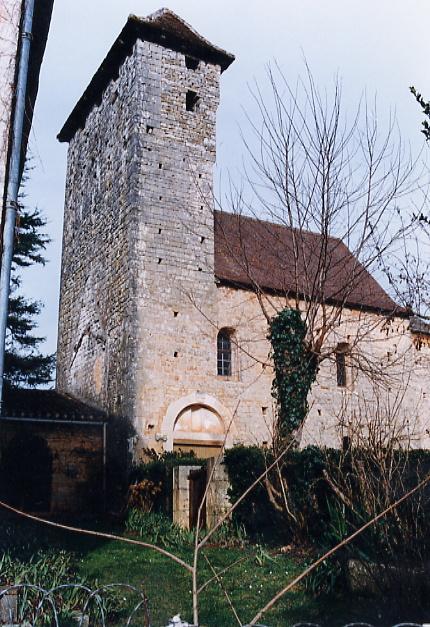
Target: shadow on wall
26, 473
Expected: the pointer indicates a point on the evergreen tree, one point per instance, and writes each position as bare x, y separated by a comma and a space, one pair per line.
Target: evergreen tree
425, 106
24, 364
423, 218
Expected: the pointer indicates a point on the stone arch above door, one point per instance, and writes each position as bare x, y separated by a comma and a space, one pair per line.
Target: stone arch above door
199, 418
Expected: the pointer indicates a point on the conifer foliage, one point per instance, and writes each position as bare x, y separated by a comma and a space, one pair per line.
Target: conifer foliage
425, 106
24, 364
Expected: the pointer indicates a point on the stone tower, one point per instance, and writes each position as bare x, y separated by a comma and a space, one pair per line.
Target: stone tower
138, 251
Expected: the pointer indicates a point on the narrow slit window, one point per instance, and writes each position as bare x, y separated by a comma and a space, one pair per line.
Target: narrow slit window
224, 353
341, 377
346, 443
192, 100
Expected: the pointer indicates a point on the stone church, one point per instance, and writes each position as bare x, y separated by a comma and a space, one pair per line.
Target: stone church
159, 321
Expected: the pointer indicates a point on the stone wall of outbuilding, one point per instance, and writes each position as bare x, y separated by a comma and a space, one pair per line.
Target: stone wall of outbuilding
77, 478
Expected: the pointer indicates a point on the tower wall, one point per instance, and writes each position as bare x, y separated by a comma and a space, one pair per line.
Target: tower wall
174, 260
138, 250
96, 338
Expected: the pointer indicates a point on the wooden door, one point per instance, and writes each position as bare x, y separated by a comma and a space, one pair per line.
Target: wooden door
197, 482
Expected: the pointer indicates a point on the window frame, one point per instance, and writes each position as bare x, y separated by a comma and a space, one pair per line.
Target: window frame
224, 353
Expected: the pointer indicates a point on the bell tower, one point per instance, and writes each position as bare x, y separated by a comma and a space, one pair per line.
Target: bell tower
138, 250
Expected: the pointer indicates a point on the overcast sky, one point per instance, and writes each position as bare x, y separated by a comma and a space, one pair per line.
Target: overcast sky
375, 45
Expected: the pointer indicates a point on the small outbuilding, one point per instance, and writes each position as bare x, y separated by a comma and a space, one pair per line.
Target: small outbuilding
53, 454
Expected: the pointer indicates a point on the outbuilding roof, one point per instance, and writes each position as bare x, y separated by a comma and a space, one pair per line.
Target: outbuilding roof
48, 405
162, 27
253, 253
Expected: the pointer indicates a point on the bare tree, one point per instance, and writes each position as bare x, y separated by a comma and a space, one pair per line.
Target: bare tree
331, 201
313, 172
409, 269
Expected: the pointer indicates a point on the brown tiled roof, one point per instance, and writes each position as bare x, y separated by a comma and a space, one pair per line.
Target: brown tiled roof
186, 38
48, 405
250, 253
163, 27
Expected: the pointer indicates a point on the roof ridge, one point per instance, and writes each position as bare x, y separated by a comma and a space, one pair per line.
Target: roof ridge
155, 19
282, 226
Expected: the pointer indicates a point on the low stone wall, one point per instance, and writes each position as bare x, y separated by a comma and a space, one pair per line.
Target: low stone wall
218, 502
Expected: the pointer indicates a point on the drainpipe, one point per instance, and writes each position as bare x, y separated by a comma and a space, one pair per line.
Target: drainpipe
14, 172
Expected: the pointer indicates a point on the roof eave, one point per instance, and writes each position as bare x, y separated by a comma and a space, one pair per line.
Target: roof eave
396, 310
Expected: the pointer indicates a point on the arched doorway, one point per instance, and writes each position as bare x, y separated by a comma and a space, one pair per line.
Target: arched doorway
201, 424
26, 473
199, 429
198, 422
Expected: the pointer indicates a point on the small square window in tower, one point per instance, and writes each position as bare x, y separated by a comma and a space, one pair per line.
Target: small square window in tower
192, 100
191, 63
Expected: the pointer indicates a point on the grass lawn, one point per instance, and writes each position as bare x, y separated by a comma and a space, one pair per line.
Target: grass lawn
250, 583
168, 586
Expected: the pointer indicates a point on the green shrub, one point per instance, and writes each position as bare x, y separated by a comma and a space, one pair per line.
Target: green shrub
322, 518
303, 471
244, 465
158, 471
48, 570
45, 568
229, 535
157, 528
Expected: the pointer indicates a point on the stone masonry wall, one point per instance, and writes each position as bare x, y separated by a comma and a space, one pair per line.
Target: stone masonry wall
246, 395
175, 250
96, 339
77, 462
138, 236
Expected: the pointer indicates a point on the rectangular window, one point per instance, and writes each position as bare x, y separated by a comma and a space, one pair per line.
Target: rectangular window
224, 355
192, 100
191, 63
346, 443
